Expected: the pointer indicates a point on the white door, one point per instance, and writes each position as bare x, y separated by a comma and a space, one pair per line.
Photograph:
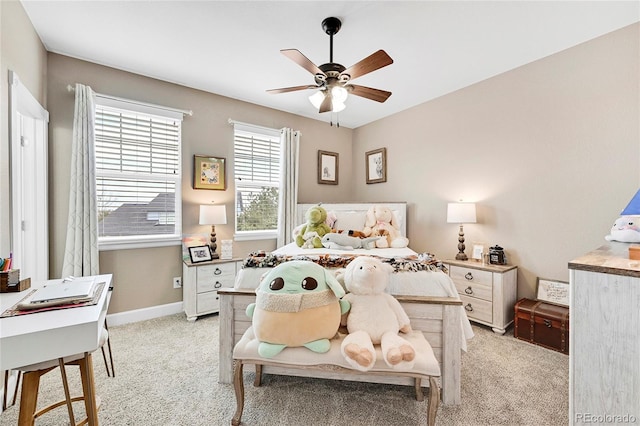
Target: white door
29, 205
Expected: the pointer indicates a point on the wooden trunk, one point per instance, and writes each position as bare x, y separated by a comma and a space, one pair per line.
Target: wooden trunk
542, 324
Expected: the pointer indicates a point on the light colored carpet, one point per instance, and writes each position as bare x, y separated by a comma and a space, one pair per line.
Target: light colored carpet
166, 374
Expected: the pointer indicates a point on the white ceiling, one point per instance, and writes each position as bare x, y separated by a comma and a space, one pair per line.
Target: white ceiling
232, 48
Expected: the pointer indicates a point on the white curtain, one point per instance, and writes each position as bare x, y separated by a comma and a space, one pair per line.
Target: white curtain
290, 146
81, 251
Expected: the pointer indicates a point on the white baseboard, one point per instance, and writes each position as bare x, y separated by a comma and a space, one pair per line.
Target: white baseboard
144, 314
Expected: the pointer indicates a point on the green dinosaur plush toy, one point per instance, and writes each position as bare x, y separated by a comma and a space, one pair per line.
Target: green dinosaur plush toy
311, 234
297, 304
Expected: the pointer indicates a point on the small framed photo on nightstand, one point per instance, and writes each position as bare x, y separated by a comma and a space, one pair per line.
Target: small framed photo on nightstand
200, 254
478, 252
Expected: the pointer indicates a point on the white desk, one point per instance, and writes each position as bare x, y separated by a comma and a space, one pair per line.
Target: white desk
37, 337
32, 338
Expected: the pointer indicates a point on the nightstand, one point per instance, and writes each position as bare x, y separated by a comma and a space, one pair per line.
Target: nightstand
488, 292
200, 284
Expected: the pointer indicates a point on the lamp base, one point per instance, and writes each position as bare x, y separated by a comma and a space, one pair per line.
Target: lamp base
212, 244
214, 255
461, 255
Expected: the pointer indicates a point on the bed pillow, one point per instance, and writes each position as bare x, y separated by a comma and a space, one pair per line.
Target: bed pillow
350, 220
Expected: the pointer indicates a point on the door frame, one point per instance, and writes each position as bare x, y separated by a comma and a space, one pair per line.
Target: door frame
25, 210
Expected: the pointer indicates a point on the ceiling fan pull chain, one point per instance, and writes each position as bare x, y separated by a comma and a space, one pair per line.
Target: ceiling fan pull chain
337, 119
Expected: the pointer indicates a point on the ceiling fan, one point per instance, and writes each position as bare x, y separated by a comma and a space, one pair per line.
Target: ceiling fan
333, 79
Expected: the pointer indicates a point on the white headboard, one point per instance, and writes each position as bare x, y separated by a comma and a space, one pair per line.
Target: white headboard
399, 209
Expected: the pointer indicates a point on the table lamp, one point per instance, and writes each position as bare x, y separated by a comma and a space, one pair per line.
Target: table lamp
461, 213
213, 215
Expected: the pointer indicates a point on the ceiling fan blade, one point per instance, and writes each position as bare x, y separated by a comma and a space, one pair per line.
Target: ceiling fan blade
326, 104
290, 89
368, 92
296, 56
370, 63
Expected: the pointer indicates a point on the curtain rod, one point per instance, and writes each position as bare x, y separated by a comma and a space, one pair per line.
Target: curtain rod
70, 88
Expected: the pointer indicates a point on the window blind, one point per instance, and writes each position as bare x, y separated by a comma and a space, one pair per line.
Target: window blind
138, 173
257, 175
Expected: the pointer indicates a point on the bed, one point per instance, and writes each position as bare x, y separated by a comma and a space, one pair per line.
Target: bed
426, 293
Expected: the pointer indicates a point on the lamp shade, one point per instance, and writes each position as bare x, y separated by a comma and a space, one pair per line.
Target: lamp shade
633, 208
461, 213
213, 215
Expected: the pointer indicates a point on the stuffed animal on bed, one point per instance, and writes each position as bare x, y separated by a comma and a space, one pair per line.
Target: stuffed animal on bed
351, 233
310, 236
339, 241
375, 317
625, 229
380, 221
298, 303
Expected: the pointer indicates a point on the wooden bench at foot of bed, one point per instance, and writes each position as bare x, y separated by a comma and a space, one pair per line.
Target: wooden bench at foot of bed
438, 318
333, 362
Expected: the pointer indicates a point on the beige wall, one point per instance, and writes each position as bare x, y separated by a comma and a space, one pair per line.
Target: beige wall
550, 152
143, 277
22, 52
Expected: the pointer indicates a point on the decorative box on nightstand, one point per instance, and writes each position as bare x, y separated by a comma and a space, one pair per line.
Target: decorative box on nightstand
200, 284
488, 292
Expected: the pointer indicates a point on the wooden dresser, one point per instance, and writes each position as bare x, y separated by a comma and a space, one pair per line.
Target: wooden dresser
604, 359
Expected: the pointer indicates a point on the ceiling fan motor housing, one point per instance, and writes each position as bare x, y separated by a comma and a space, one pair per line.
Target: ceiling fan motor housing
331, 72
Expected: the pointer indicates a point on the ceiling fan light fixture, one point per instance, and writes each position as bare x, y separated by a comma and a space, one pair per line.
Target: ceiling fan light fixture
333, 80
338, 106
317, 98
338, 96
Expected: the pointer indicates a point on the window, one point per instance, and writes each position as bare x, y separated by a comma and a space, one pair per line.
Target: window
257, 177
138, 175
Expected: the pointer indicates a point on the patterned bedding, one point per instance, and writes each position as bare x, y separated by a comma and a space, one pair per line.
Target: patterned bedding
411, 263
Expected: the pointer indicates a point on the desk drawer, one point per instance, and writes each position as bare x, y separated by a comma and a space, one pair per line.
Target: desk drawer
477, 309
470, 275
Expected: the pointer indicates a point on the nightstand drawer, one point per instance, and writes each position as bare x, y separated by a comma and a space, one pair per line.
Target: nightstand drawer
208, 302
476, 290
477, 309
469, 275
213, 277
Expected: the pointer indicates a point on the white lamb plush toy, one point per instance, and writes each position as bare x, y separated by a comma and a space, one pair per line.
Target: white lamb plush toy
375, 317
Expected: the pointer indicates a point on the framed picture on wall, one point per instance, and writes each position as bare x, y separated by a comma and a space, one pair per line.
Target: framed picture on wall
376, 165
328, 167
209, 172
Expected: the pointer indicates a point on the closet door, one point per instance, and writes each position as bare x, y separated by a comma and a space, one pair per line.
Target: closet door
29, 201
